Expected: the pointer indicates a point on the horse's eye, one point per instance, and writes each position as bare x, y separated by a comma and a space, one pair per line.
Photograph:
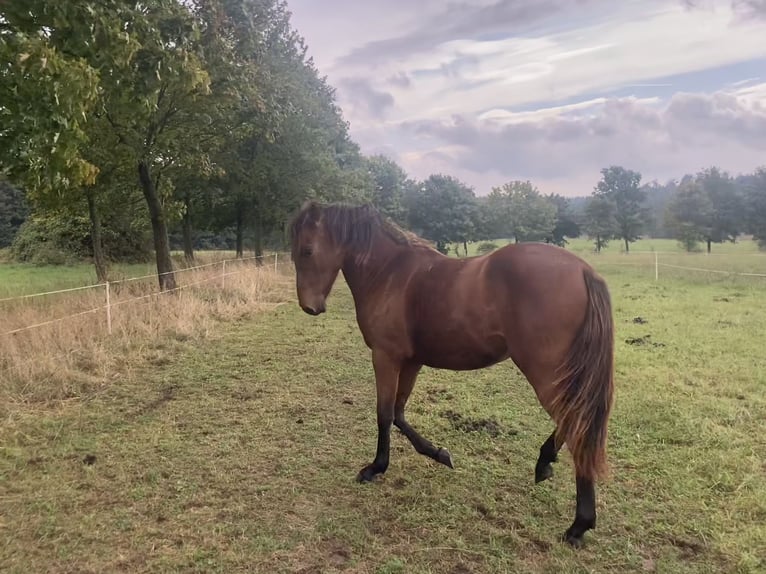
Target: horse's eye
306, 252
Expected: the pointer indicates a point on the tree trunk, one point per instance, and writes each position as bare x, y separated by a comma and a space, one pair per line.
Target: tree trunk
598, 244
627, 246
465, 248
187, 230
258, 238
95, 235
709, 245
159, 228
240, 234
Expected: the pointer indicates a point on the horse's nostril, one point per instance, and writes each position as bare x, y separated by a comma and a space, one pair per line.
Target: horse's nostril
309, 310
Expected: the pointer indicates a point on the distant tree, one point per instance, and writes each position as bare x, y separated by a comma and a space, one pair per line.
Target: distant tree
726, 217
621, 187
518, 210
443, 209
689, 214
566, 224
658, 197
755, 193
13, 212
600, 223
389, 183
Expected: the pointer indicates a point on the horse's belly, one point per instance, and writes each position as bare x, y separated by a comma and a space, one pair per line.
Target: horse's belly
459, 352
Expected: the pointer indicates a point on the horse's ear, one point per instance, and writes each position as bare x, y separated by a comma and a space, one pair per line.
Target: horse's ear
312, 209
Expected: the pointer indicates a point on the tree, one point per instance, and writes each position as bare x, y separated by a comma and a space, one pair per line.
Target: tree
566, 225
600, 221
689, 214
443, 209
389, 183
521, 212
658, 197
725, 218
46, 95
755, 189
13, 212
621, 187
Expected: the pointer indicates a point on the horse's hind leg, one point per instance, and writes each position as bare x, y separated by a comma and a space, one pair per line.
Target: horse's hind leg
548, 455
407, 377
585, 514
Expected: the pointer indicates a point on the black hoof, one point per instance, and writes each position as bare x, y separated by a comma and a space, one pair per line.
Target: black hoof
543, 472
444, 457
573, 540
368, 473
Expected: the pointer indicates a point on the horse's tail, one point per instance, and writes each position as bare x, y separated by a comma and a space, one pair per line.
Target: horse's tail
585, 387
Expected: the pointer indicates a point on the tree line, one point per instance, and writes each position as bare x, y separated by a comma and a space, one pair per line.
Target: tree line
133, 128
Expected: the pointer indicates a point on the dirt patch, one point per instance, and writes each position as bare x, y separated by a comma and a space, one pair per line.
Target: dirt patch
332, 553
167, 394
246, 395
640, 321
436, 395
461, 568
643, 342
467, 424
687, 548
89, 459
399, 483
540, 545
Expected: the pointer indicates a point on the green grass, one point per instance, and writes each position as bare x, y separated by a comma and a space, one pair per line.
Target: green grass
582, 245
237, 453
25, 278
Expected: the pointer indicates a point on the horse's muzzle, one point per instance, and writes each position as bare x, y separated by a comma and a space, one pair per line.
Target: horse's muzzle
312, 311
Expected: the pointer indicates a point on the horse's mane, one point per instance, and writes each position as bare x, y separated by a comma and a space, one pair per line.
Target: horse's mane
352, 226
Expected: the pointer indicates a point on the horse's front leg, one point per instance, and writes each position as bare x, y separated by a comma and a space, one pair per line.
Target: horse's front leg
386, 381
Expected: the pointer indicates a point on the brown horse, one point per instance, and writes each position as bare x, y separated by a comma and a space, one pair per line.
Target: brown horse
539, 305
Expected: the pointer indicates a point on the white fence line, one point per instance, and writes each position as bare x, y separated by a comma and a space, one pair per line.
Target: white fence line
690, 254
33, 295
658, 264
222, 277
107, 290
139, 278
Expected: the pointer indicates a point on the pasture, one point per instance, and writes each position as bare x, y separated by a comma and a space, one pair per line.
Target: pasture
234, 448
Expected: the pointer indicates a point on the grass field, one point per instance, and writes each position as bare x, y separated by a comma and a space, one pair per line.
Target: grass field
235, 450
24, 278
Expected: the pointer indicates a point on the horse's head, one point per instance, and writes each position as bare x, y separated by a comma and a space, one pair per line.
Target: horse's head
317, 258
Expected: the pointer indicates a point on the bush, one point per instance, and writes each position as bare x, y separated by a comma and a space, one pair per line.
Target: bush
51, 240
61, 239
486, 247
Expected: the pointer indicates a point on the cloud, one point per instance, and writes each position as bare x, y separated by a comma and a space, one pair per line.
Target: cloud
553, 90
685, 134
400, 80
363, 98
624, 46
742, 9
456, 20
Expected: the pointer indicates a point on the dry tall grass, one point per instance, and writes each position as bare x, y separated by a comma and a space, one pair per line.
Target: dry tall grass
74, 358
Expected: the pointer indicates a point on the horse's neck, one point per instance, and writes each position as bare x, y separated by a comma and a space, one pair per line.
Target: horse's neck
361, 276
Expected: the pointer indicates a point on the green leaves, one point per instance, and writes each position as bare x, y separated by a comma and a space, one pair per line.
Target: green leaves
518, 210
45, 99
755, 190
444, 210
708, 207
620, 186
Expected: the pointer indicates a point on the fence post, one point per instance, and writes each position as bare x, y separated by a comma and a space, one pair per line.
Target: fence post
276, 255
108, 309
223, 275
656, 266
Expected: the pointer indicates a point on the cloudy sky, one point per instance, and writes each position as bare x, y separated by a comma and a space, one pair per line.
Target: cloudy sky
547, 90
